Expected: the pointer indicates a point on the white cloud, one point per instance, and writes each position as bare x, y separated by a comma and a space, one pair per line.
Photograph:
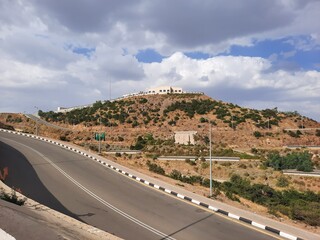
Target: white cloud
237, 76
20, 75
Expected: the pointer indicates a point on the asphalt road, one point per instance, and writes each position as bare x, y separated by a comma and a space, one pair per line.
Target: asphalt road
83, 189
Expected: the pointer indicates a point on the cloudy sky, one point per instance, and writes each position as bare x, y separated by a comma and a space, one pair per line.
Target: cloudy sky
259, 54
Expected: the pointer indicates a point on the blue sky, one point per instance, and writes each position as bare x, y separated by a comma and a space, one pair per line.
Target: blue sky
258, 54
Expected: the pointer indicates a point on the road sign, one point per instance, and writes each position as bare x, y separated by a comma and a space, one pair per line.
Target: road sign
100, 136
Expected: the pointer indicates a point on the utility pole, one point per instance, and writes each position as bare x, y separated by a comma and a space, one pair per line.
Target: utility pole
36, 120
100, 133
232, 121
210, 161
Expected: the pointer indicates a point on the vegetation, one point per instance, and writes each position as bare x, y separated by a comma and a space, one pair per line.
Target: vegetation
12, 119
300, 161
190, 108
282, 182
153, 167
257, 134
303, 206
140, 144
13, 198
296, 134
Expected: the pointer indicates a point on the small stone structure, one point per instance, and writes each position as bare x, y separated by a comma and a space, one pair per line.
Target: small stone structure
184, 137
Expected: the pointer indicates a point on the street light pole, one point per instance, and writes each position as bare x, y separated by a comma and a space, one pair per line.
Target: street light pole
232, 121
36, 121
210, 162
100, 134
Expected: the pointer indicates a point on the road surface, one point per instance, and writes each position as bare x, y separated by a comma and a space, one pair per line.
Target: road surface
83, 189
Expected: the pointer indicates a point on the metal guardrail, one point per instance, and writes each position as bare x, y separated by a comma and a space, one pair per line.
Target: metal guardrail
214, 158
41, 121
299, 173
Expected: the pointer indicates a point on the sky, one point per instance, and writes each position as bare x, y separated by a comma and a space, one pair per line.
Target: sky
257, 54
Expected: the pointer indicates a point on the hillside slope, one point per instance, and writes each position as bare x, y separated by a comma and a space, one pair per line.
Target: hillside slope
161, 115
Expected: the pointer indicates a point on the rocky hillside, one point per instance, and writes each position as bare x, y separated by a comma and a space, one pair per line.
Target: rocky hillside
161, 115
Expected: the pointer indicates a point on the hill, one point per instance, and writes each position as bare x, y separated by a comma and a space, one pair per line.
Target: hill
161, 115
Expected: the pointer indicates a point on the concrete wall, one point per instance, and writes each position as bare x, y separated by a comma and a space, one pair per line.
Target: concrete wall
184, 137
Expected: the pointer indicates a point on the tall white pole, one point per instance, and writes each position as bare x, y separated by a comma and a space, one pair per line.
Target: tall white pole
100, 133
232, 121
37, 120
210, 163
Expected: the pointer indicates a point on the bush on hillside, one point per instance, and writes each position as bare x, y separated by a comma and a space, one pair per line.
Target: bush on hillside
300, 161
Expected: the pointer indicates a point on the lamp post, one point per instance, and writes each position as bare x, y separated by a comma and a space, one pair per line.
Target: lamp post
36, 120
232, 121
100, 133
210, 160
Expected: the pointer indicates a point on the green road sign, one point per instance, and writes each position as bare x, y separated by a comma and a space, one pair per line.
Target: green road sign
100, 136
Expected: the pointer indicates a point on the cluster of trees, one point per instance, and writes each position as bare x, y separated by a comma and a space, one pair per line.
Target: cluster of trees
175, 174
142, 141
300, 161
303, 206
190, 108
295, 134
13, 120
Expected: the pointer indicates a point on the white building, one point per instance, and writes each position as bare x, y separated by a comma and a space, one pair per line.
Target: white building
184, 137
165, 90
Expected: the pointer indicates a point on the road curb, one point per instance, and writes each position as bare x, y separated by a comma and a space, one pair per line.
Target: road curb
166, 190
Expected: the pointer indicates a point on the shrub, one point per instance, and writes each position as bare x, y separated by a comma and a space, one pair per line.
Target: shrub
282, 182
203, 120
135, 123
204, 165
192, 163
175, 174
242, 165
306, 212
143, 100
13, 198
140, 143
257, 134
294, 134
155, 168
300, 161
215, 184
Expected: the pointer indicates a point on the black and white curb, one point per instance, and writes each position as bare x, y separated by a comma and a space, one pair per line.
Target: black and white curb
168, 191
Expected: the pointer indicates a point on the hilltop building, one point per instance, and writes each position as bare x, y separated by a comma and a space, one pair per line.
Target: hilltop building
165, 90
150, 91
